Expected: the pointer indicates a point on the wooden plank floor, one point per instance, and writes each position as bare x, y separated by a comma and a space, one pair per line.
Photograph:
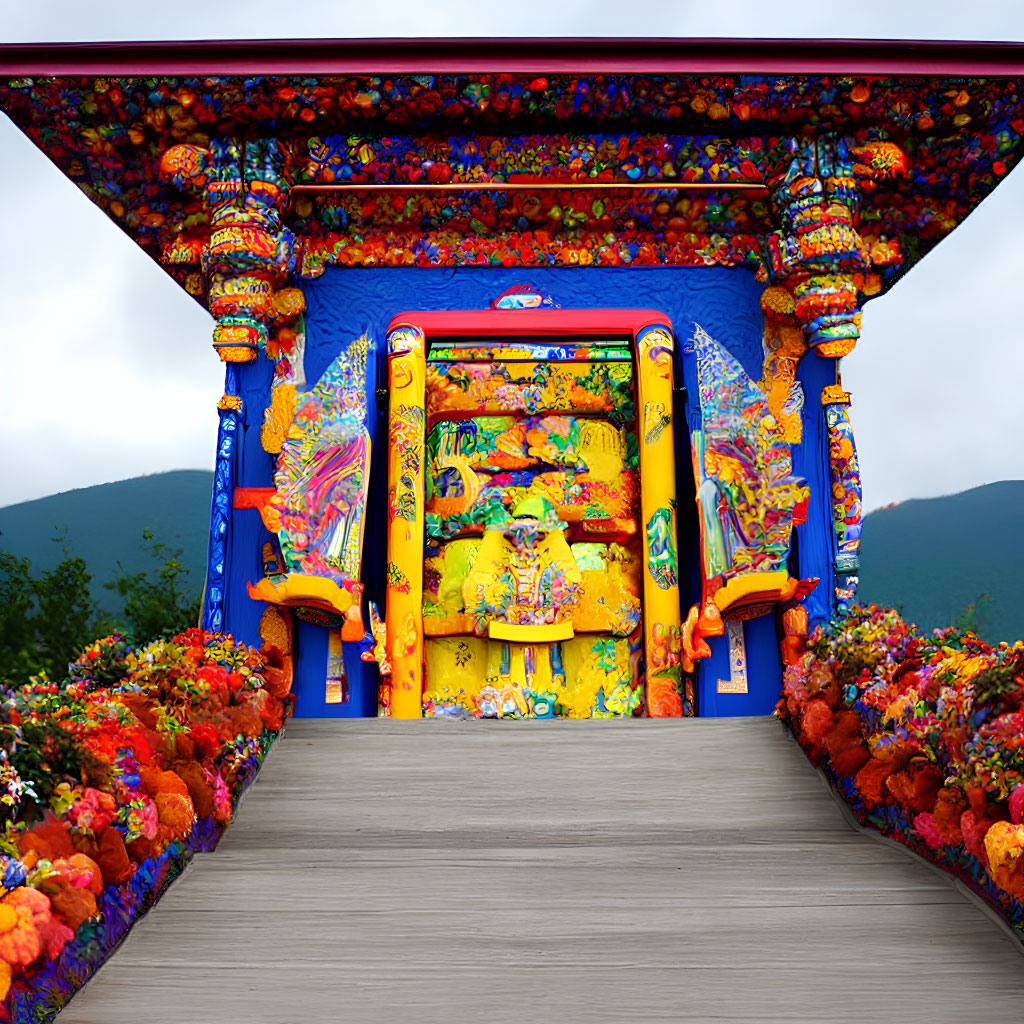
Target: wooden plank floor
535, 872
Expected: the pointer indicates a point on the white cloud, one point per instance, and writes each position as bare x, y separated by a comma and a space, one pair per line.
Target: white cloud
107, 367
107, 370
936, 375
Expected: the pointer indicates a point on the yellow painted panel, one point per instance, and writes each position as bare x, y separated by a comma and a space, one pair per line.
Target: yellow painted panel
539, 633
405, 516
662, 614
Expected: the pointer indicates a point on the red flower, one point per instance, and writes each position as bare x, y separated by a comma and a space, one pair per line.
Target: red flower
95, 811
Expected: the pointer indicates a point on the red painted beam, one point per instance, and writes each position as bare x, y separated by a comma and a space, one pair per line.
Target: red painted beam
412, 56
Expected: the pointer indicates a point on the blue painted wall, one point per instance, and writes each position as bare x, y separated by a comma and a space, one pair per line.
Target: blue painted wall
345, 303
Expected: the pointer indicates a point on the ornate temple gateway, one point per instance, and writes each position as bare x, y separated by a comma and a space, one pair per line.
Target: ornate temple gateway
532, 401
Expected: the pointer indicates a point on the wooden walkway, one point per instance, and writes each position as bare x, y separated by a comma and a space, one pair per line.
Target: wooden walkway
549, 873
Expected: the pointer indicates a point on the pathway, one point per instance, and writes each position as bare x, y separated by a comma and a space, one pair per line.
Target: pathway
384, 872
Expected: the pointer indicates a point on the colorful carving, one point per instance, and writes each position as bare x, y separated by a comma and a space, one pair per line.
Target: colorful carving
495, 387
533, 533
230, 415
524, 578
661, 548
668, 694
246, 251
818, 254
406, 488
479, 467
845, 479
107, 134
319, 504
748, 500
585, 677
606, 597
489, 158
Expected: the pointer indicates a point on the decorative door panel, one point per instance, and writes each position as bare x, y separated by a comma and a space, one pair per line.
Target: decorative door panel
532, 571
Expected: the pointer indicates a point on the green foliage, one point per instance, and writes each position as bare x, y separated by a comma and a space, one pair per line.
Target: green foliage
160, 605
18, 654
974, 617
48, 754
47, 618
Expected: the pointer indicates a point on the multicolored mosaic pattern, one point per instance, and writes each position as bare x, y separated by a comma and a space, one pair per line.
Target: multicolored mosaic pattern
747, 493
956, 140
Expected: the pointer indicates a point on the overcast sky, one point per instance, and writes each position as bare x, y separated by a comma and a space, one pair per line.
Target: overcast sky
107, 370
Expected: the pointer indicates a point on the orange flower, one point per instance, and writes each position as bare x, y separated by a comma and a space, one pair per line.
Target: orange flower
817, 721
916, 788
871, 778
176, 813
200, 791
109, 854
949, 806
20, 943
1004, 845
49, 839
74, 905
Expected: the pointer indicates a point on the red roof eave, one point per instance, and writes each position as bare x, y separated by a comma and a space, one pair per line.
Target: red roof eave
434, 56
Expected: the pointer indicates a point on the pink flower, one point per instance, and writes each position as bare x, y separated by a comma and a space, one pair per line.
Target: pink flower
95, 811
1017, 805
220, 790
142, 818
926, 828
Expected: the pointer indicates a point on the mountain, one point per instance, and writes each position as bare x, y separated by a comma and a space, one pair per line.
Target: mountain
104, 526
928, 557
931, 557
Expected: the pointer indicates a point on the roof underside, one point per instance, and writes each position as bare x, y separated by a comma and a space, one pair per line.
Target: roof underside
610, 151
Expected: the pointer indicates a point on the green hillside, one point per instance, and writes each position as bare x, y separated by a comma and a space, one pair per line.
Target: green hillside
105, 523
931, 557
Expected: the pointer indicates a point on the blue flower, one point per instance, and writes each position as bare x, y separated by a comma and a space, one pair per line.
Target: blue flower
13, 872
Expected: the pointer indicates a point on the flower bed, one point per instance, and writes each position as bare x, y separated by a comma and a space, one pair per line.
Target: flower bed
923, 737
109, 781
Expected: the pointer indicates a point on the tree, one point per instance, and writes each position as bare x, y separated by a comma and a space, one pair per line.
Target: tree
44, 620
161, 604
18, 649
975, 616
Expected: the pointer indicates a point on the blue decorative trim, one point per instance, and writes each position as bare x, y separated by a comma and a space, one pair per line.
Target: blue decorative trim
220, 509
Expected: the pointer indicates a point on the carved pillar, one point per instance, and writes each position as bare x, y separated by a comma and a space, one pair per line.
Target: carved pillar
821, 269
668, 694
407, 489
229, 410
247, 254
844, 474
237, 258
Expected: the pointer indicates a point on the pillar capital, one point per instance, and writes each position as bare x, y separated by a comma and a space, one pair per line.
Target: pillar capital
244, 251
817, 254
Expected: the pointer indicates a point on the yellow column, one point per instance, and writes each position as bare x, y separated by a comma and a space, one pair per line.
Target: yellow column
406, 495
662, 620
